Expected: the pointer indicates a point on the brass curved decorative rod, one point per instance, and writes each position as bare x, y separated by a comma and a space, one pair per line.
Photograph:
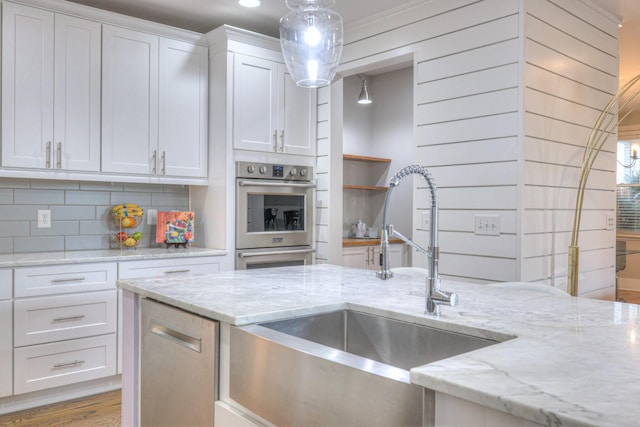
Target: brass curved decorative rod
605, 125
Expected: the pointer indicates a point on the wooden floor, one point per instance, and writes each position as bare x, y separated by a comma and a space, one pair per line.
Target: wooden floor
102, 410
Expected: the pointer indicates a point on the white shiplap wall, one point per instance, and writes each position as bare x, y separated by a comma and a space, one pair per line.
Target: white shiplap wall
505, 92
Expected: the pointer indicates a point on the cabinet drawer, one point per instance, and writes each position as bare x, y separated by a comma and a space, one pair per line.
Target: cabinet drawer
6, 283
51, 365
56, 318
167, 267
61, 279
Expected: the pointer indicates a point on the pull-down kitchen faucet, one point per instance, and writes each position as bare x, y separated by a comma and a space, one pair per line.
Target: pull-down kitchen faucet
435, 296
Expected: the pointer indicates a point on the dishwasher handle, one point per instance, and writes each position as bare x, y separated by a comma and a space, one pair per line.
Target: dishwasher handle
177, 337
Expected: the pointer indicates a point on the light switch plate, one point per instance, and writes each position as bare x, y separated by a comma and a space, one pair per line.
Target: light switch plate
487, 225
611, 221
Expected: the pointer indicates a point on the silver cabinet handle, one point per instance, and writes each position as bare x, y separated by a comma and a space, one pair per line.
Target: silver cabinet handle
71, 279
255, 182
68, 318
68, 364
153, 161
164, 163
179, 338
276, 252
275, 140
282, 141
48, 154
177, 271
59, 156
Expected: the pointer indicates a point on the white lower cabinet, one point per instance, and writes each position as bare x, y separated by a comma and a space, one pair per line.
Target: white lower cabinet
168, 267
54, 318
369, 256
38, 367
6, 349
64, 324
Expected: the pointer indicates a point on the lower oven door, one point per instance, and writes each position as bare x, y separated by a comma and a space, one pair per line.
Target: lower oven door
273, 257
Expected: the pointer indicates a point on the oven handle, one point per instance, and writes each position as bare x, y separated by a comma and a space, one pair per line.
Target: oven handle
287, 252
249, 183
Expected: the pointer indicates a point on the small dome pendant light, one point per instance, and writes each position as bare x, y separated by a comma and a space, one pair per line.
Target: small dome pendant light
311, 37
364, 93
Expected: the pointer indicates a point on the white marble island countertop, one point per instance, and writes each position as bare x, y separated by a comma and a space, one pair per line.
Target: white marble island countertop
573, 361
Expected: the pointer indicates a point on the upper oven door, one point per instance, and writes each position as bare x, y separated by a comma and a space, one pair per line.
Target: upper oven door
273, 213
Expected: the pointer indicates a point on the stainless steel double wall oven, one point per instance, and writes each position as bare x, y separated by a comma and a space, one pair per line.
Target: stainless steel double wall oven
273, 215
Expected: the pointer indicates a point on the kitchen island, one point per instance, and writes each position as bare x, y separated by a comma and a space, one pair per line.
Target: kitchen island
562, 361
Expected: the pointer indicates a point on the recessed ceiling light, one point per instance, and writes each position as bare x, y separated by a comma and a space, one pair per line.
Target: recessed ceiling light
250, 3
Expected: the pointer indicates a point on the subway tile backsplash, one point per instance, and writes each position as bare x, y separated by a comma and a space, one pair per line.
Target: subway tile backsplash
80, 213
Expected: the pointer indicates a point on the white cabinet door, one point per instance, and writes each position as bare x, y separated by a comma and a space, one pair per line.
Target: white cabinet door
297, 107
51, 63
77, 94
129, 101
356, 257
183, 102
271, 113
255, 116
27, 86
6, 349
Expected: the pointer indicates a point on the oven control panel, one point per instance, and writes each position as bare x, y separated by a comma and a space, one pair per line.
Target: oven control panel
273, 171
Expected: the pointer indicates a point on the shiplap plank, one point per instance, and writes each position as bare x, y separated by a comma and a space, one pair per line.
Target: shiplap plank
561, 221
478, 128
545, 151
485, 174
535, 245
490, 150
555, 175
580, 19
477, 267
555, 62
549, 105
468, 61
473, 25
503, 246
545, 81
483, 198
565, 198
484, 104
569, 45
460, 86
463, 221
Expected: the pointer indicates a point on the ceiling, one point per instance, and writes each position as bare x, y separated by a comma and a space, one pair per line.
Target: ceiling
204, 15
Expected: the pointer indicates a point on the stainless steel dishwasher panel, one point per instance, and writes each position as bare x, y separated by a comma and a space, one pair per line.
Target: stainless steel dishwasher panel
178, 367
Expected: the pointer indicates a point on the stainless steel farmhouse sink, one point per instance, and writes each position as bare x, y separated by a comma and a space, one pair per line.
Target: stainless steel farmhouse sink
339, 368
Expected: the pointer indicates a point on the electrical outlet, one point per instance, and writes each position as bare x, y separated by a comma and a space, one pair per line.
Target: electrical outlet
44, 218
425, 220
487, 225
152, 216
610, 221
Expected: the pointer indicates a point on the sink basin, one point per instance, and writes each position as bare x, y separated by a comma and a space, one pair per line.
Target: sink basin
339, 368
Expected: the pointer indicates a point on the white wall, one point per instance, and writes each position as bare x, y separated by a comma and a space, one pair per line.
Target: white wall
504, 94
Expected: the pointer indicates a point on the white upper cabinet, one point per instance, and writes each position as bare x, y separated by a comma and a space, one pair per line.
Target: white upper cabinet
129, 101
270, 113
51, 90
183, 135
154, 100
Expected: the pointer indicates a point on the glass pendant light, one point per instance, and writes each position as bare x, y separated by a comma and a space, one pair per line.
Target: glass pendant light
311, 38
364, 97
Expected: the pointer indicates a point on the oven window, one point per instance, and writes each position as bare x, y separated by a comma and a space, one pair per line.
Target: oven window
275, 212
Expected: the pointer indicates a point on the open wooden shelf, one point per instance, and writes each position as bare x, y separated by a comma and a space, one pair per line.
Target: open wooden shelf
365, 158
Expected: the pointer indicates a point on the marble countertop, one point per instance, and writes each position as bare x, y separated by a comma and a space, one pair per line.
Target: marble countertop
117, 255
564, 361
